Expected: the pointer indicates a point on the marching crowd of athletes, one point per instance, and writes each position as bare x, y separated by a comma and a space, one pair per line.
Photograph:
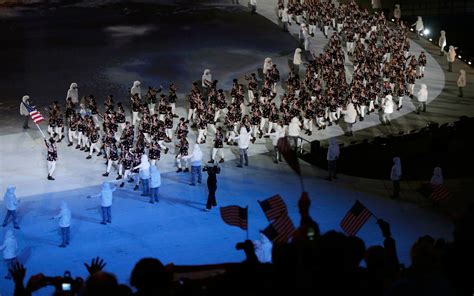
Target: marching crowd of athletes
383, 69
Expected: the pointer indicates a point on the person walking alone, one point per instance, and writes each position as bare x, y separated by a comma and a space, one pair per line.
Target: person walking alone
461, 82
106, 200
10, 203
24, 112
64, 217
196, 159
395, 176
10, 249
332, 156
155, 183
243, 140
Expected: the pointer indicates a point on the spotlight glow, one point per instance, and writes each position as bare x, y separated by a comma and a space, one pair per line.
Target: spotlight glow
469, 63
431, 39
411, 29
393, 20
459, 56
426, 32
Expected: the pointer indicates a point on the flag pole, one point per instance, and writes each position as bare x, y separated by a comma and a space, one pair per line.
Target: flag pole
40, 130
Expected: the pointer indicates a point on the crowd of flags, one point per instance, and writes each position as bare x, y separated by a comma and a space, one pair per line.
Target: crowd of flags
281, 227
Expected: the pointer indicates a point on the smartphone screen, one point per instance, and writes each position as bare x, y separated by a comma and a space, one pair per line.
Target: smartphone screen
66, 286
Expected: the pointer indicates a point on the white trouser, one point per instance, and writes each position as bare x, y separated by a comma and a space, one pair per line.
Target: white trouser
151, 107
270, 126
339, 28
191, 114
250, 95
290, 18
326, 28
361, 110
299, 19
135, 118
400, 102
51, 130
94, 148
320, 121
125, 173
180, 160
71, 135
214, 152
229, 134
161, 117
200, 136
308, 124
147, 137
59, 130
371, 106
332, 116
95, 119
110, 163
262, 123
254, 130
306, 44
51, 167
312, 29
349, 46
121, 127
80, 139
411, 88
285, 129
386, 117
169, 133
160, 142
173, 108
85, 141
333, 20
422, 70
217, 114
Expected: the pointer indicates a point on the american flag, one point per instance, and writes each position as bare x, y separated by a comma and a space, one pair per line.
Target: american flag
280, 230
355, 219
440, 193
35, 114
273, 207
235, 216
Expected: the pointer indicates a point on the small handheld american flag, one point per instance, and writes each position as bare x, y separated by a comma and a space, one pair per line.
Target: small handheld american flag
355, 219
35, 114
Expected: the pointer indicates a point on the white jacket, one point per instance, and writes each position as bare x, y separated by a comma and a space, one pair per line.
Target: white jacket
278, 134
64, 216
10, 246
136, 89
10, 199
388, 106
144, 167
462, 79
284, 16
23, 110
423, 93
243, 139
442, 39
396, 172
350, 113
451, 57
106, 195
73, 93
297, 57
196, 156
294, 128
